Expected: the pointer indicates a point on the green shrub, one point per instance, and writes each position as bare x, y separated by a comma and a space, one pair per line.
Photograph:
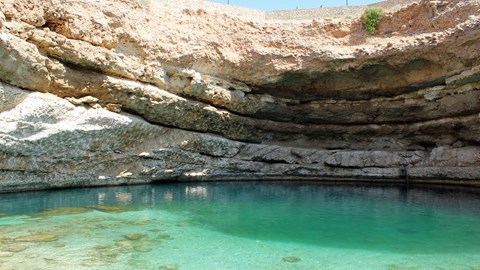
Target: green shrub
371, 18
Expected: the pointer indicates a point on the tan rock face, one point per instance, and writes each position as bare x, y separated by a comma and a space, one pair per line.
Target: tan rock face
309, 99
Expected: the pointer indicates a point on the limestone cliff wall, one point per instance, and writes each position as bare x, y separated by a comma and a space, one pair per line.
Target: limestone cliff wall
120, 91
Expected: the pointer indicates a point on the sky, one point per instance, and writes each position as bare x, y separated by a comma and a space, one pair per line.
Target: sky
292, 4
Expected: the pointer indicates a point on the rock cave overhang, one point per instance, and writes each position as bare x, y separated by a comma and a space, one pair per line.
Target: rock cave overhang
371, 81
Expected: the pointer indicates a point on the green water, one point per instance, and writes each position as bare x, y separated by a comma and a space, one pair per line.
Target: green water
241, 226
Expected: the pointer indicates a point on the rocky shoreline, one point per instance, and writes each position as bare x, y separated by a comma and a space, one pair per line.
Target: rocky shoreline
110, 93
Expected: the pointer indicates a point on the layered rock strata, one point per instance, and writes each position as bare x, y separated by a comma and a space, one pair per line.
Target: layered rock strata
119, 91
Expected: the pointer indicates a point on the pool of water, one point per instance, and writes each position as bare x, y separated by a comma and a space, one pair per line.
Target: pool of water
241, 226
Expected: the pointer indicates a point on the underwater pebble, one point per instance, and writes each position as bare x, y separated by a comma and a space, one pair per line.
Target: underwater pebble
172, 266
165, 236
102, 247
291, 259
88, 264
141, 222
142, 248
136, 264
399, 267
108, 253
50, 260
134, 236
124, 244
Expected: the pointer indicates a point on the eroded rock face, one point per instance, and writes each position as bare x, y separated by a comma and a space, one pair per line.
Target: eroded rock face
116, 92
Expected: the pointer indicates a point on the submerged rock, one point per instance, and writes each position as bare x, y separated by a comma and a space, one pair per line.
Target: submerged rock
61, 211
126, 244
52, 261
95, 219
99, 247
5, 239
38, 238
140, 222
137, 245
136, 263
134, 236
291, 259
111, 209
14, 248
400, 267
143, 248
165, 236
182, 224
108, 254
6, 254
170, 266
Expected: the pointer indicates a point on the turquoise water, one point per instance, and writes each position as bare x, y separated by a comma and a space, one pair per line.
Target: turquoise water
241, 226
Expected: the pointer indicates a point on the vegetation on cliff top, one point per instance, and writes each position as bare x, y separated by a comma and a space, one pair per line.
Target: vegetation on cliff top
371, 18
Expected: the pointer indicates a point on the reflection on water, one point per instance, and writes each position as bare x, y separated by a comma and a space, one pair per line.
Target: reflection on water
459, 200
150, 195
196, 192
168, 196
101, 198
123, 198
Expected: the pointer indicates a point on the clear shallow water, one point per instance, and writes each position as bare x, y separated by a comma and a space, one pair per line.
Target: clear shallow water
241, 226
